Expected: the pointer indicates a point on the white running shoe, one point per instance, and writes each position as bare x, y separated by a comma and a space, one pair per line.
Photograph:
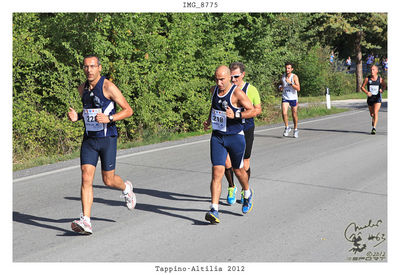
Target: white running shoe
296, 133
287, 131
130, 198
82, 226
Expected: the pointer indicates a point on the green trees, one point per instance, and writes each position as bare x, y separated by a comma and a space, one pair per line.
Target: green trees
162, 62
364, 31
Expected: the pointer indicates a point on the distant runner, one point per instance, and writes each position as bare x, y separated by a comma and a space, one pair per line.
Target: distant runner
290, 86
374, 90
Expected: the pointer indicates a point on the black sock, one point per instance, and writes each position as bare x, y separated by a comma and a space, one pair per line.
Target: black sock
248, 173
229, 176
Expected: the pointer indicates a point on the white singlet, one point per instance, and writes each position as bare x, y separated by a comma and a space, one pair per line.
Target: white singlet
288, 93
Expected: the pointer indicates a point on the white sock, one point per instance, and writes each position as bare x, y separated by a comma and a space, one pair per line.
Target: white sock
246, 193
87, 219
127, 189
215, 206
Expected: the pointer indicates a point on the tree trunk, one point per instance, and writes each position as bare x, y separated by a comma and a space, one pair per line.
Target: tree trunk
359, 71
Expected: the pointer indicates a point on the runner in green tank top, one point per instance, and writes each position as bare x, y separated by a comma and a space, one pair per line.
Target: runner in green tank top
238, 73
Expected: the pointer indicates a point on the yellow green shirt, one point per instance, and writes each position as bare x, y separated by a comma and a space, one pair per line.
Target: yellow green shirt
253, 95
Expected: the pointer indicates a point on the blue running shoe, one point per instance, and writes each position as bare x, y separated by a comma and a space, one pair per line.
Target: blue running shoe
231, 198
241, 197
248, 203
212, 216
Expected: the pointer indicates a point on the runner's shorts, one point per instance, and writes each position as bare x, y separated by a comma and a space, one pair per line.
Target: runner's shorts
292, 103
104, 147
249, 138
374, 99
221, 145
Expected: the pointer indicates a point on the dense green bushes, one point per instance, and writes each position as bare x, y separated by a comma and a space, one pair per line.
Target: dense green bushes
162, 62
316, 74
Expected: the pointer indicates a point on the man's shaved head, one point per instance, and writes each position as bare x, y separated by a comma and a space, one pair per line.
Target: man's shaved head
223, 70
223, 77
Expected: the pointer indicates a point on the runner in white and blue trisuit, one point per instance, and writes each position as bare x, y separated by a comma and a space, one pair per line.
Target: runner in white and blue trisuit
229, 107
289, 87
373, 87
99, 99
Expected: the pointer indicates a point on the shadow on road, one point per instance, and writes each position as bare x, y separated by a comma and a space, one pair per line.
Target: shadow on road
40, 222
269, 136
163, 194
341, 131
161, 209
180, 169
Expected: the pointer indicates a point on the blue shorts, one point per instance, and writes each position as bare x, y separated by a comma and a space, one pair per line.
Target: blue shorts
221, 145
104, 147
292, 103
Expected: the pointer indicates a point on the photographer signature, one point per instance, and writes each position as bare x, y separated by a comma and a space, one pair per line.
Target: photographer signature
356, 235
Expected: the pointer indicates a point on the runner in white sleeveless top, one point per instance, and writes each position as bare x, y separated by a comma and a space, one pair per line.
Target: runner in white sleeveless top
289, 87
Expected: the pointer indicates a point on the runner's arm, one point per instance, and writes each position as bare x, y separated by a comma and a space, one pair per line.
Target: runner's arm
111, 91
280, 86
243, 101
383, 85
207, 123
368, 93
72, 114
257, 110
296, 84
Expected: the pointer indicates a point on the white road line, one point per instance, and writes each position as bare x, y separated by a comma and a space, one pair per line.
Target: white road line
171, 147
316, 120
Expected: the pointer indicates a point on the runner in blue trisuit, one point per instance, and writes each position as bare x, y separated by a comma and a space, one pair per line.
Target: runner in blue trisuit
99, 99
229, 107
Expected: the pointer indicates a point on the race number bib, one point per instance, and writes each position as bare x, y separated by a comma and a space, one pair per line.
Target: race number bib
374, 89
287, 90
89, 116
218, 120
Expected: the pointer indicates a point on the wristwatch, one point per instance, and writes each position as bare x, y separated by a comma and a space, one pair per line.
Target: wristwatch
111, 118
238, 115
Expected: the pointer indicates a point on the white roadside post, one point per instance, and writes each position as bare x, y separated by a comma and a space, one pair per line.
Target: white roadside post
328, 99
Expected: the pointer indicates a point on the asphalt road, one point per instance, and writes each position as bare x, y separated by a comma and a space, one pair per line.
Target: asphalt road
313, 195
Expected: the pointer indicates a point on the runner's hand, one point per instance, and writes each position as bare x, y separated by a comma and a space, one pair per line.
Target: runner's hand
229, 113
72, 115
102, 118
206, 125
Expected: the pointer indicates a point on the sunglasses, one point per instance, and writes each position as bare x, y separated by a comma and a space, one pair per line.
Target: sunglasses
236, 75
